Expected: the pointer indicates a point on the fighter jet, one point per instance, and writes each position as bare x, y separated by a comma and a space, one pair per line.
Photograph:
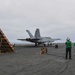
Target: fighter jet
37, 39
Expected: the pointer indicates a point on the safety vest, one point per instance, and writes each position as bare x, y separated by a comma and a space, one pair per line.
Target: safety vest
68, 44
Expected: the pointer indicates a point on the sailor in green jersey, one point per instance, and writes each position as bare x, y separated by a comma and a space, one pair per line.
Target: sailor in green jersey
74, 43
68, 48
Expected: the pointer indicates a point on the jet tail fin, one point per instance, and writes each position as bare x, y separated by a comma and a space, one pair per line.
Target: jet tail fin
37, 33
29, 33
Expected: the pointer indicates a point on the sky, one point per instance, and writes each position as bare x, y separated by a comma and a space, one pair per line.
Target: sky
54, 18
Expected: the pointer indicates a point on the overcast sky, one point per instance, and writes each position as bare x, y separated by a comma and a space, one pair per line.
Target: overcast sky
54, 18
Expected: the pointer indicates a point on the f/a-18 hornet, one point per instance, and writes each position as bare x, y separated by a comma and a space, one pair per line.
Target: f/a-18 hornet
37, 39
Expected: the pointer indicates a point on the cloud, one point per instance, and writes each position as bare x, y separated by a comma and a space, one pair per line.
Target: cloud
54, 17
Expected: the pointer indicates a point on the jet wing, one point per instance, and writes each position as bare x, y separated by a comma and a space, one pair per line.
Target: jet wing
57, 39
43, 40
22, 39
29, 39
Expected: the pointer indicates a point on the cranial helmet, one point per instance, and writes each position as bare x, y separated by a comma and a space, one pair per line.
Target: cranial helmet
68, 38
